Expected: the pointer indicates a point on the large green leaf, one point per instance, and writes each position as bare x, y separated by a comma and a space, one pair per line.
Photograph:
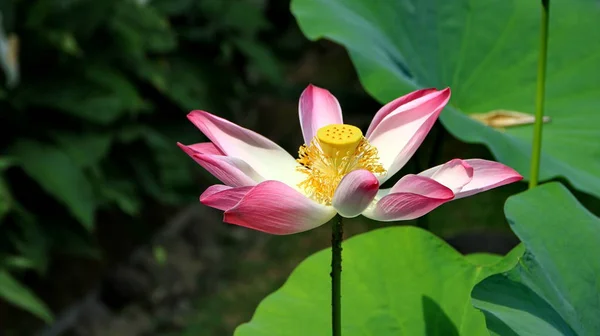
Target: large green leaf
486, 51
395, 281
12, 291
60, 177
555, 288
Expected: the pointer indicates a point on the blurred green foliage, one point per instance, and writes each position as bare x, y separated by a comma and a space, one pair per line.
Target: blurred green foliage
93, 94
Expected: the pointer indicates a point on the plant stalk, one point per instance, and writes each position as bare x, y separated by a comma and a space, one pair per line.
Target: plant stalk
336, 275
540, 96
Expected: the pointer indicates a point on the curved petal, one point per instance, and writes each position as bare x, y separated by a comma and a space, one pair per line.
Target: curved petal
204, 148
392, 106
317, 108
223, 197
411, 197
263, 155
355, 192
421, 185
486, 175
454, 174
276, 208
229, 170
214, 189
398, 134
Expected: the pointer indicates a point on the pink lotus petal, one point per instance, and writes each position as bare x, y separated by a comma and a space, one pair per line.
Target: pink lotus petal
263, 155
204, 148
412, 197
317, 108
400, 132
276, 208
229, 170
486, 175
421, 185
214, 189
355, 192
223, 197
454, 174
392, 106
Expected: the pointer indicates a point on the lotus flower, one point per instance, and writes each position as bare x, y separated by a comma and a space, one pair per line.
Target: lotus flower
338, 170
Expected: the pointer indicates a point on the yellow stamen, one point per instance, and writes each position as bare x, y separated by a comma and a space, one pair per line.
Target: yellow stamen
335, 151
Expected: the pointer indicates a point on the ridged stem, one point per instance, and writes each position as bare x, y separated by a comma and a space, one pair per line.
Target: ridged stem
336, 275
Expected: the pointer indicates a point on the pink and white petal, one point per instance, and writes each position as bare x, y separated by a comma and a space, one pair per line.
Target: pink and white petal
214, 189
223, 197
454, 174
263, 155
229, 170
276, 208
402, 206
412, 197
488, 175
204, 148
398, 135
355, 192
317, 108
394, 105
421, 185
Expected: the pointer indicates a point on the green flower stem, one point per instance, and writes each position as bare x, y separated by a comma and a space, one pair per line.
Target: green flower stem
336, 275
540, 95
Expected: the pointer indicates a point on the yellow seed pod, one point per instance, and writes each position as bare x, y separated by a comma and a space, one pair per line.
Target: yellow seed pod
338, 140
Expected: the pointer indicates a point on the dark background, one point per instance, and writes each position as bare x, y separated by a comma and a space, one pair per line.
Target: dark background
99, 212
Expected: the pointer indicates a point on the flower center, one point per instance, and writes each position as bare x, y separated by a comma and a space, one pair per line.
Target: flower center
335, 151
336, 140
